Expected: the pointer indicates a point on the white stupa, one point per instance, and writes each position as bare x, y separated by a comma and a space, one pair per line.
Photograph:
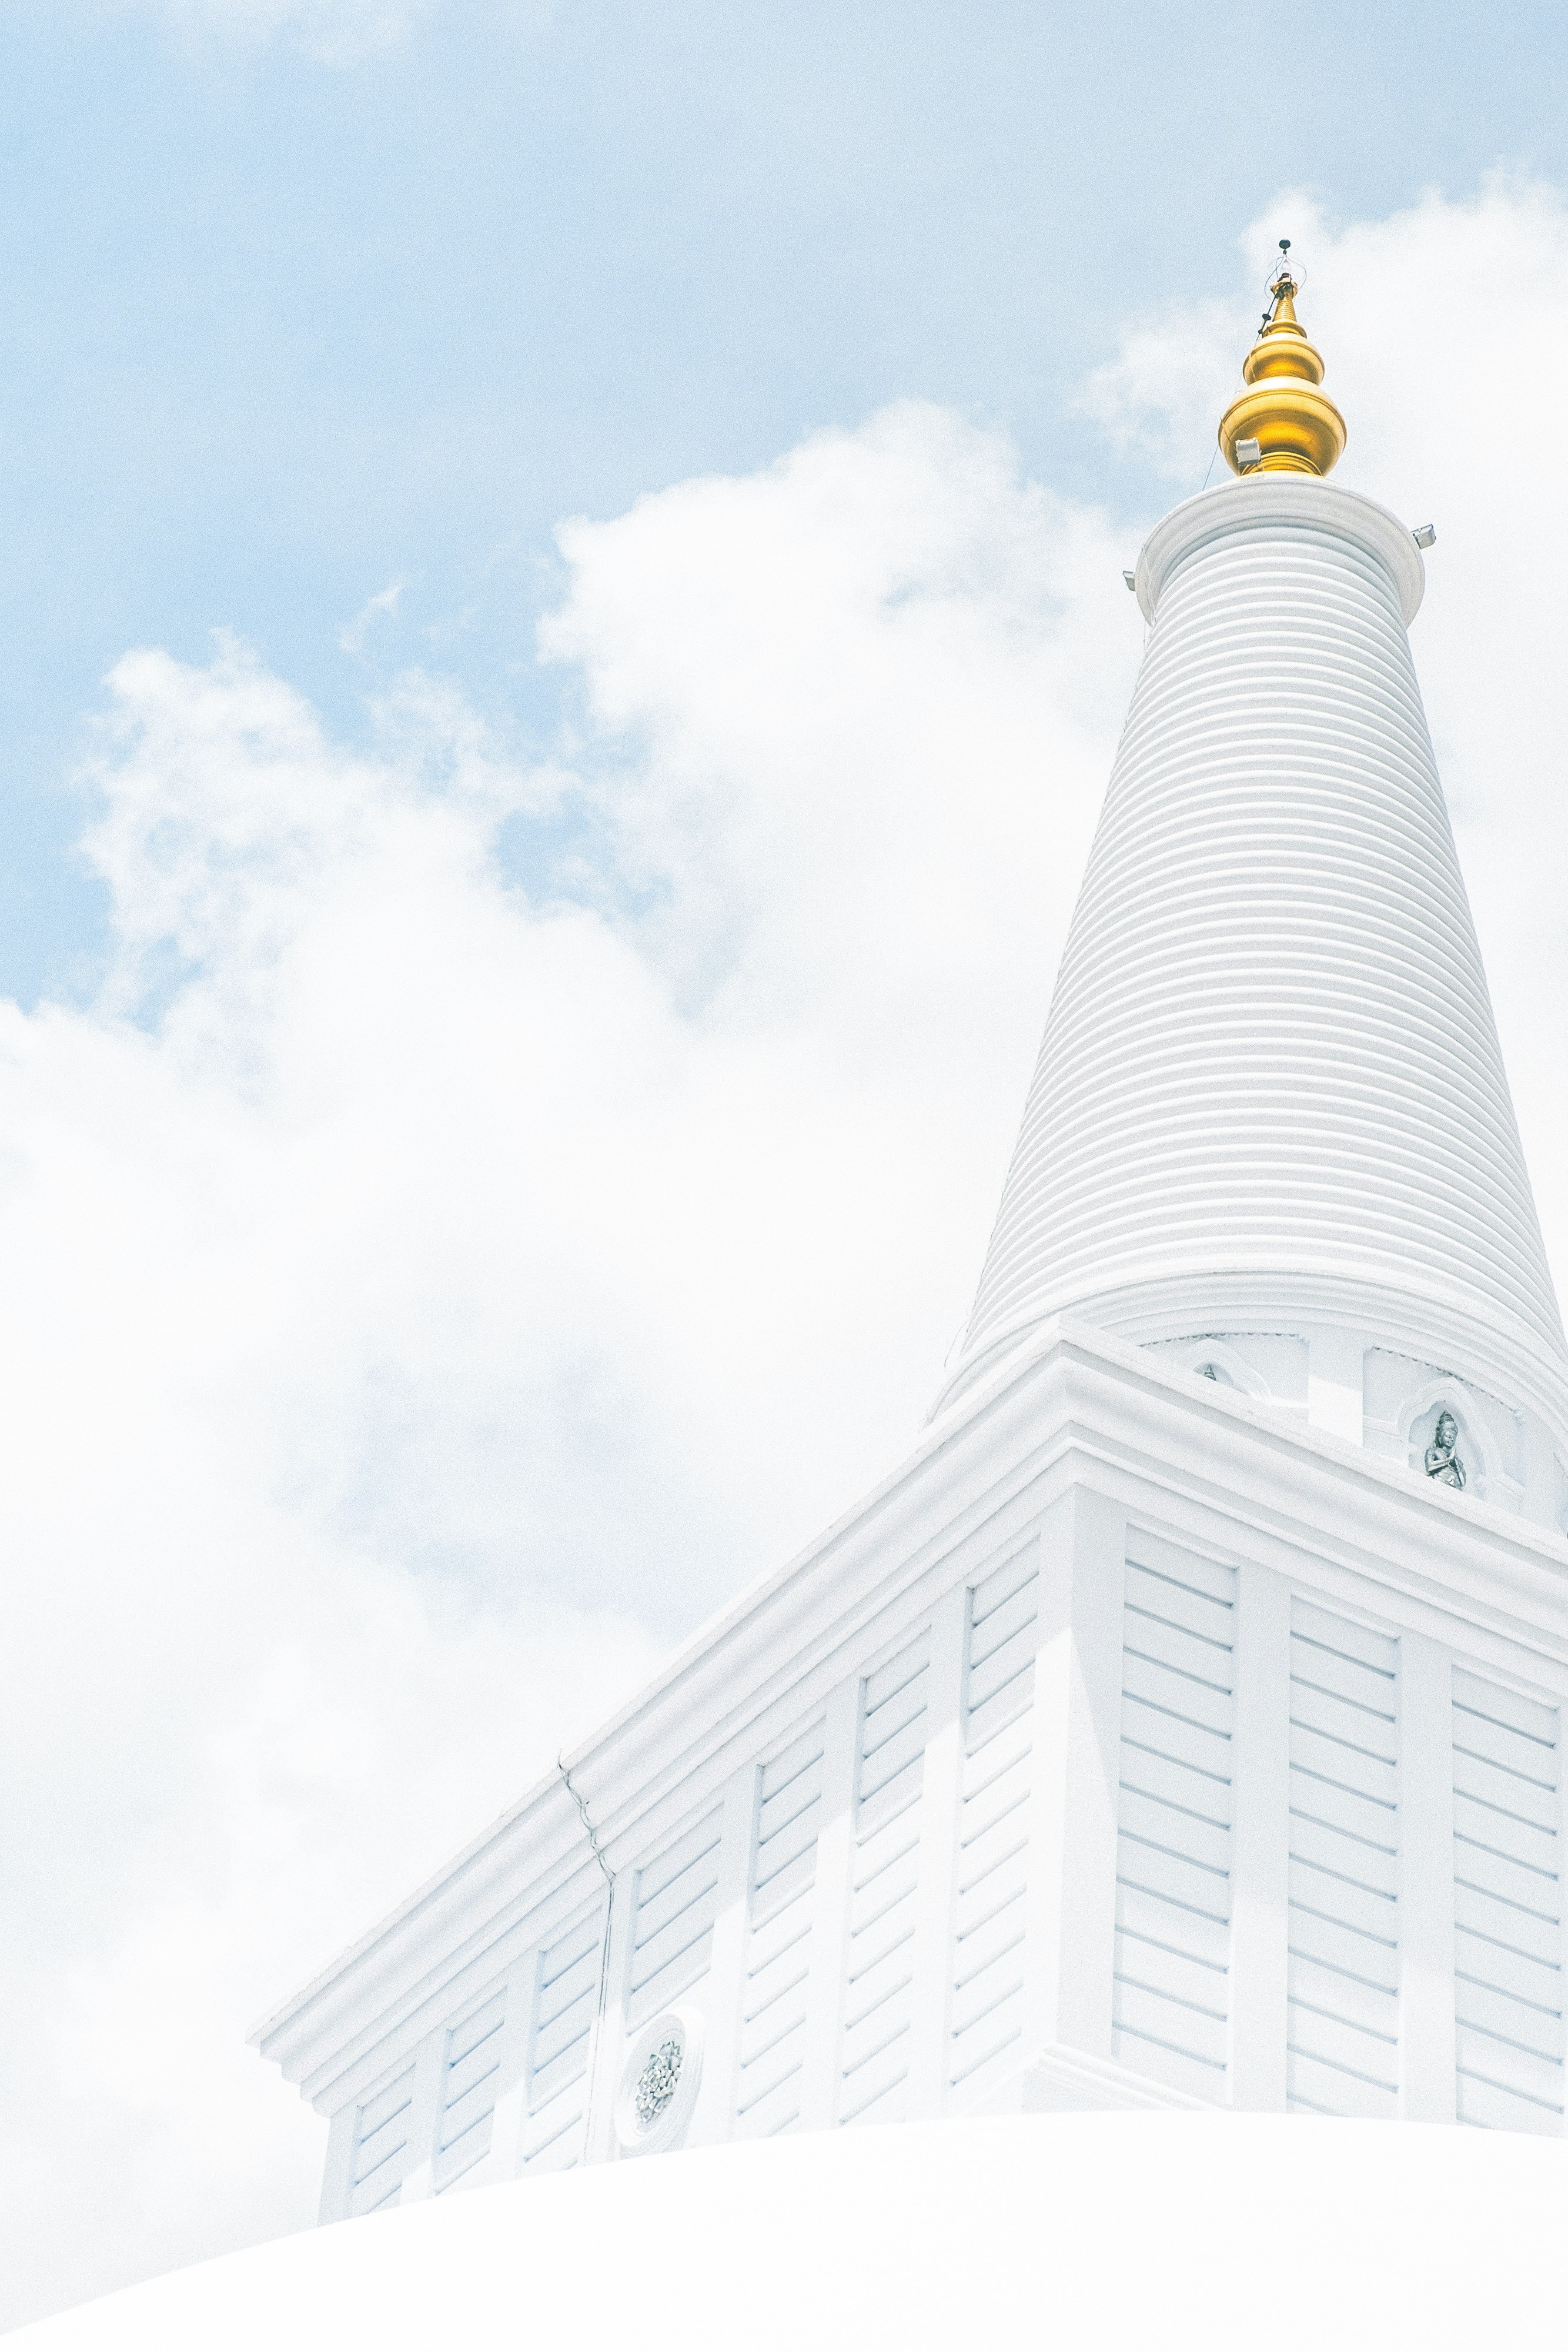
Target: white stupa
1177, 1728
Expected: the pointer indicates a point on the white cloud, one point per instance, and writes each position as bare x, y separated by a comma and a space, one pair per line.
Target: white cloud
425, 1296
425, 1293
383, 604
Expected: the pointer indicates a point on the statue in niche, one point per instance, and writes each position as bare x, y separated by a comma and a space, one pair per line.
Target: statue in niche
1443, 1462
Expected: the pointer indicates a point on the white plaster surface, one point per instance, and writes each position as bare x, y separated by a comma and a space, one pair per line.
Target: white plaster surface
1271, 1079
873, 1824
1106, 2230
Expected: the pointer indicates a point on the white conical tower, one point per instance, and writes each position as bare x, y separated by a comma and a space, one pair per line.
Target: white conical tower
1269, 1096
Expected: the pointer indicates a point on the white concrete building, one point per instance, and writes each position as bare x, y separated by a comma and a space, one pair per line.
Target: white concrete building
1180, 1724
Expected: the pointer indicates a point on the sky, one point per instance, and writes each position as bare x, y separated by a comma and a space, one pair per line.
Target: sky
564, 634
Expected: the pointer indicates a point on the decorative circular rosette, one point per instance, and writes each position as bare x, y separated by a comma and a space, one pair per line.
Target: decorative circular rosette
659, 2082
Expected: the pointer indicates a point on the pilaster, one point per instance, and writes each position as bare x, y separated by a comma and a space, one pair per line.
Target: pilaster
1082, 1663
1260, 1841
1426, 1881
1335, 1382
418, 2182
610, 2023
712, 2118
831, 1906
1048, 1785
511, 2098
334, 2204
940, 1802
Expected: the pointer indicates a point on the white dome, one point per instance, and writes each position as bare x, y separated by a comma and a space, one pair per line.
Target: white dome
1271, 1083
1110, 2231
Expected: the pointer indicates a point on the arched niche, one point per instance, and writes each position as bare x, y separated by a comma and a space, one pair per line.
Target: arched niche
1211, 1358
1477, 1448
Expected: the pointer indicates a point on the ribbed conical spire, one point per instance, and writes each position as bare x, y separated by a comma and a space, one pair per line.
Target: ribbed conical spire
1282, 414
1271, 1089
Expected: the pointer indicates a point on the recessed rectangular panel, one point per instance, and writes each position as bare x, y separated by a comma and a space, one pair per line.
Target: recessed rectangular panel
1171, 1985
560, 2042
1343, 2016
676, 1902
381, 2152
879, 1963
987, 1997
1508, 1908
778, 1965
470, 2078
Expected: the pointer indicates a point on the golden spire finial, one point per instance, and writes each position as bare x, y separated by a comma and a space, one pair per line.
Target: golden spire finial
1293, 424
